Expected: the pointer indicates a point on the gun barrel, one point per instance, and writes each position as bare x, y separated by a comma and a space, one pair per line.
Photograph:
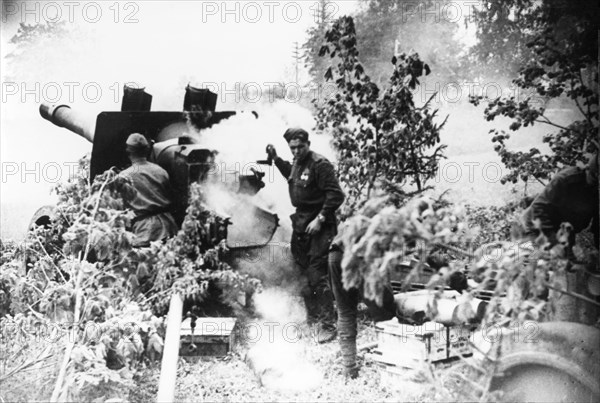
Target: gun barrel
63, 116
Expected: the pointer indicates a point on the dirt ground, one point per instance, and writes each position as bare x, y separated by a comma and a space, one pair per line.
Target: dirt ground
231, 379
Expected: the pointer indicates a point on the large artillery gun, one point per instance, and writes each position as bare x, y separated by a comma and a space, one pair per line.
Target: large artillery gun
178, 147
182, 155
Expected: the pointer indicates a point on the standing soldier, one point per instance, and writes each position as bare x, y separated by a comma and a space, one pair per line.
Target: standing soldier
151, 204
316, 194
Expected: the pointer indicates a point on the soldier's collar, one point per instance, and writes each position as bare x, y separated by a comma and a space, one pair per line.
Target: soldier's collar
305, 158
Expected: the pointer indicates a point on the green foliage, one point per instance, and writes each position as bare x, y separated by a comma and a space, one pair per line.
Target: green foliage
31, 45
501, 48
190, 262
495, 223
505, 29
382, 141
316, 37
28, 34
82, 271
10, 255
380, 237
562, 66
384, 27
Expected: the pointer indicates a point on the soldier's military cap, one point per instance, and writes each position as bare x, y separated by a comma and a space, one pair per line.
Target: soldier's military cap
138, 141
295, 133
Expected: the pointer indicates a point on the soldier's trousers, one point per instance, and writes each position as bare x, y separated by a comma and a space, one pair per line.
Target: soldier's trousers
310, 253
347, 303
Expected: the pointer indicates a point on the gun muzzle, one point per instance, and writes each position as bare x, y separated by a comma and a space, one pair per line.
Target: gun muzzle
64, 116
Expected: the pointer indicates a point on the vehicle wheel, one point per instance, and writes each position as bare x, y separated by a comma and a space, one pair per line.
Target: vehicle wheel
556, 362
42, 217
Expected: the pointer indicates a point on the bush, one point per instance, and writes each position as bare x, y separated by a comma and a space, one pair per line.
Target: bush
83, 279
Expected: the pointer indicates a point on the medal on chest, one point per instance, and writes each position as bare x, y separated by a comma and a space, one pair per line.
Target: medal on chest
304, 175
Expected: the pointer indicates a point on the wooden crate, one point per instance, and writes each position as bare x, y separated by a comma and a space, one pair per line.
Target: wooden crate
459, 338
409, 346
211, 337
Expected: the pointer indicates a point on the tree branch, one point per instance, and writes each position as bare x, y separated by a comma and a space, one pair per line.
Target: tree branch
46, 354
51, 260
585, 115
63, 369
96, 207
427, 102
548, 122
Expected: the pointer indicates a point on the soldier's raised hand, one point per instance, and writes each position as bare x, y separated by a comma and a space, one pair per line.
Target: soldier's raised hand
271, 152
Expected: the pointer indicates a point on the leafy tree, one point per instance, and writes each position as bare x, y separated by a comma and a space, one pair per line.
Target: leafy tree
386, 26
563, 68
316, 37
31, 44
382, 140
501, 48
28, 34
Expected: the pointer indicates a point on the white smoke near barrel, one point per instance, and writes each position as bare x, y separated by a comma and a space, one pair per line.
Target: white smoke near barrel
240, 141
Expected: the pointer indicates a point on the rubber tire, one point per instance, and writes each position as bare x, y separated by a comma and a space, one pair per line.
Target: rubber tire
556, 361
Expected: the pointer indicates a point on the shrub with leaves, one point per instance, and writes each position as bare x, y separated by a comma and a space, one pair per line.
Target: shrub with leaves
496, 223
561, 66
381, 236
383, 139
81, 276
190, 263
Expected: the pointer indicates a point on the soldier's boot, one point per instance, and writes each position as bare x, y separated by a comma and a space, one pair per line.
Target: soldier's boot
326, 330
350, 372
321, 314
347, 339
324, 333
348, 349
312, 309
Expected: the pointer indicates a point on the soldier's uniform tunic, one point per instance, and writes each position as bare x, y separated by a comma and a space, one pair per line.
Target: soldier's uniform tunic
567, 198
314, 189
153, 221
